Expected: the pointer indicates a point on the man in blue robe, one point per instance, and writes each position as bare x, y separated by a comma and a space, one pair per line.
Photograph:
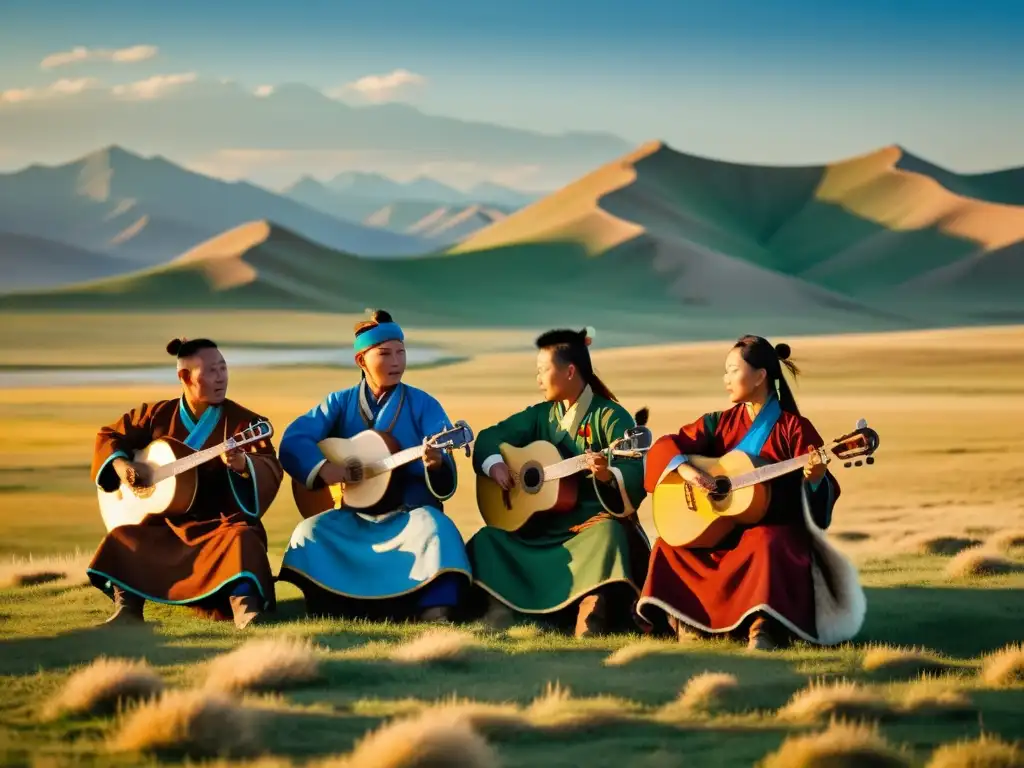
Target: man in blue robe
403, 558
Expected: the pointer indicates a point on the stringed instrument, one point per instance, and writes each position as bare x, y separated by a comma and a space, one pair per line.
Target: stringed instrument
372, 457
688, 516
173, 477
544, 481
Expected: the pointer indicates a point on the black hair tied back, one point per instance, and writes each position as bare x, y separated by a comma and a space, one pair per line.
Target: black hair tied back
174, 347
783, 351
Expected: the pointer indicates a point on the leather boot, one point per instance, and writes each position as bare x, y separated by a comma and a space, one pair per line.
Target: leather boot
246, 610
127, 608
592, 617
499, 616
684, 633
438, 614
760, 637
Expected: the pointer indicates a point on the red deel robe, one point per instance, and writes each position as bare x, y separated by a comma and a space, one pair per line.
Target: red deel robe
766, 567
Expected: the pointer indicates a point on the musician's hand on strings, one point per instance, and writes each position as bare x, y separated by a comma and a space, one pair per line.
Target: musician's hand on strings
133, 474
598, 464
814, 470
432, 459
694, 476
499, 473
235, 459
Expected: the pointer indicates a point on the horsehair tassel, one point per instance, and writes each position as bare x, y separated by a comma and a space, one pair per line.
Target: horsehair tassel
641, 416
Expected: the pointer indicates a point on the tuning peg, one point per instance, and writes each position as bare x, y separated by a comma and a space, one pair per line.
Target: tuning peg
862, 423
847, 464
870, 459
466, 449
858, 463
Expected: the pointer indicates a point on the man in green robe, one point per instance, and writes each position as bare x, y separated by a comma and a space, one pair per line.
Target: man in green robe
585, 565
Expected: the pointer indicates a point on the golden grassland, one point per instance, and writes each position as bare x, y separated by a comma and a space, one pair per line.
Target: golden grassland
938, 661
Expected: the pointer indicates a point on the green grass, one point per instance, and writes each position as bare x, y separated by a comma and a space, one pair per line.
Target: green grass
48, 633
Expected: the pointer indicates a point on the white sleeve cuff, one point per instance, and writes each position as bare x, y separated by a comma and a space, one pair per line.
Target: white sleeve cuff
489, 462
311, 477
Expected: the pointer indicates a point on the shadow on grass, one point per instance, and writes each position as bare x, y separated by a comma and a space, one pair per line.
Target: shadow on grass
957, 621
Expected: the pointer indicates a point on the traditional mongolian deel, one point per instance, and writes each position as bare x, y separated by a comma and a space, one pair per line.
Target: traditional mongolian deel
198, 557
783, 566
366, 556
559, 557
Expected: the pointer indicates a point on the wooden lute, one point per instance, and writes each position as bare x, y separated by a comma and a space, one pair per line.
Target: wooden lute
174, 480
372, 456
688, 516
544, 481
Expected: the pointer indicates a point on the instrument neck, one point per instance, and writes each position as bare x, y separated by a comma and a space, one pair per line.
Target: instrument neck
770, 472
189, 462
572, 465
395, 460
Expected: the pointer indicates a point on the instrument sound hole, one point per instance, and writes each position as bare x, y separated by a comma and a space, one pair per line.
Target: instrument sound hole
722, 488
531, 478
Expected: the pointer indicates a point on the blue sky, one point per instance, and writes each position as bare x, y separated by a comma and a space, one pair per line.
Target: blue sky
771, 81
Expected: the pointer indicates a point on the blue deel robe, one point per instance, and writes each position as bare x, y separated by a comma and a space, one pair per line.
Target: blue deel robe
361, 556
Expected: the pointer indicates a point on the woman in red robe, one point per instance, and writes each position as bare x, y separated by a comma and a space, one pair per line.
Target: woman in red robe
770, 581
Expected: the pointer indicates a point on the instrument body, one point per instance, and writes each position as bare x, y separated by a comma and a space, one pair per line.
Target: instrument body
688, 516
544, 482
175, 482
374, 456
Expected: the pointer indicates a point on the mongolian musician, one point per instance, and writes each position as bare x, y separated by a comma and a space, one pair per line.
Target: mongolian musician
212, 557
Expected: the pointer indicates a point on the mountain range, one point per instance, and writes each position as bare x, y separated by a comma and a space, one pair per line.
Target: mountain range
199, 119
656, 243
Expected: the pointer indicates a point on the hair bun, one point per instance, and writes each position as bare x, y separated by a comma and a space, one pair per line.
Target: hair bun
381, 316
174, 347
588, 334
783, 351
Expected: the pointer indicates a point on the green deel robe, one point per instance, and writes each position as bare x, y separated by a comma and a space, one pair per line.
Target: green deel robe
557, 558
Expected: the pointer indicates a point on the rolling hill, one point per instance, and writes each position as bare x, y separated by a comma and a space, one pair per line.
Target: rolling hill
28, 263
633, 292
151, 210
865, 228
656, 244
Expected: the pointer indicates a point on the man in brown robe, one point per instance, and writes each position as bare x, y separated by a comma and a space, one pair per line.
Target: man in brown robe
214, 557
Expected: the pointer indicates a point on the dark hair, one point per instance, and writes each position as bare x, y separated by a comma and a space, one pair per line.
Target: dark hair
758, 352
377, 317
187, 347
573, 347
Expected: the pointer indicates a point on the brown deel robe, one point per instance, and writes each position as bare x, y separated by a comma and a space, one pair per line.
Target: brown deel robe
198, 558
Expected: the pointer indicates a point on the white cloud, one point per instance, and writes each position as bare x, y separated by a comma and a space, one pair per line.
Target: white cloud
62, 87
264, 90
377, 88
153, 87
80, 53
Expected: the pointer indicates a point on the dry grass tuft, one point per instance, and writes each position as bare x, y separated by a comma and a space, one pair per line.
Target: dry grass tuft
523, 632
1005, 667
979, 561
557, 709
101, 687
892, 662
433, 739
193, 723
64, 570
706, 692
1006, 541
485, 716
941, 545
264, 664
933, 699
638, 650
841, 745
444, 645
818, 702
985, 752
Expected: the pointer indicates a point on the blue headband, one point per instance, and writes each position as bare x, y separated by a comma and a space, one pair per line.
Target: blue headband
377, 335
